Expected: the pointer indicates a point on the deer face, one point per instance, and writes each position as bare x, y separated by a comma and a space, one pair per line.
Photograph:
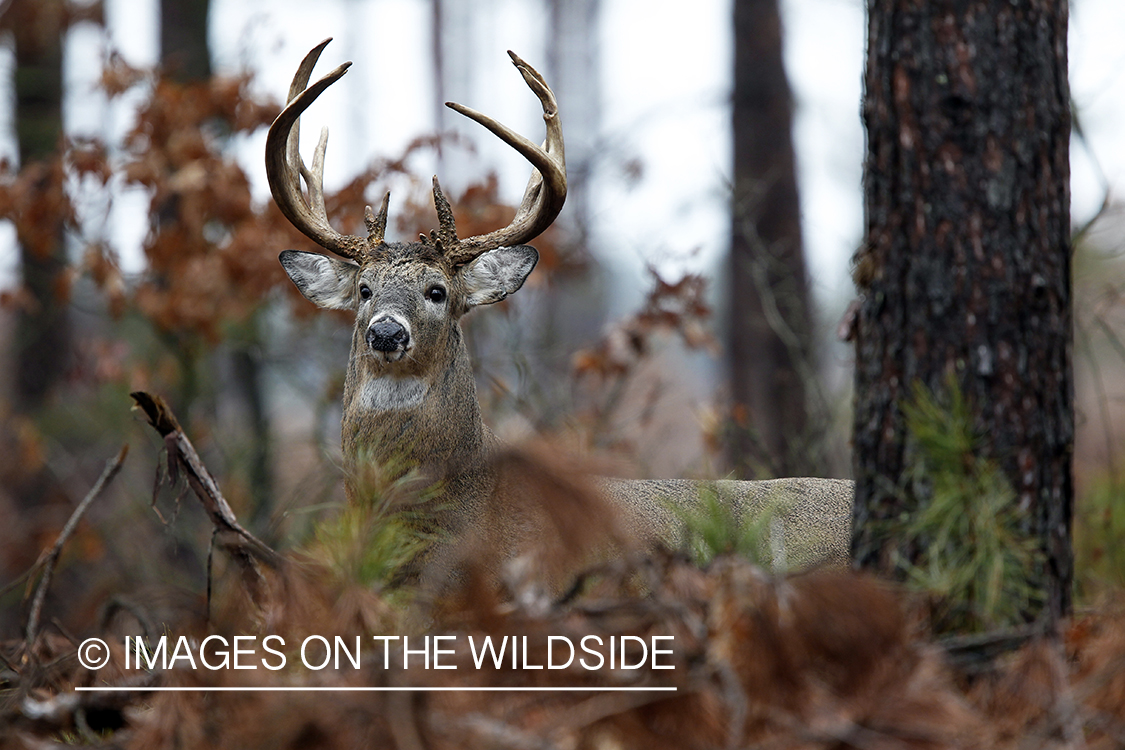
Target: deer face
407, 299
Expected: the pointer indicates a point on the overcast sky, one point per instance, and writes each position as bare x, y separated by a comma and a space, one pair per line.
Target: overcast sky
664, 101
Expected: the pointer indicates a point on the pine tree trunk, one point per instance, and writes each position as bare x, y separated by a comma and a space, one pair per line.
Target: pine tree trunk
770, 332
965, 268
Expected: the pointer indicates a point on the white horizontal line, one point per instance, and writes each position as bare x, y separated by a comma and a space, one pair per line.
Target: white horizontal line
321, 688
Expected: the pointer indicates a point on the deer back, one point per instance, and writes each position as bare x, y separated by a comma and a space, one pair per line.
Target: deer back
806, 521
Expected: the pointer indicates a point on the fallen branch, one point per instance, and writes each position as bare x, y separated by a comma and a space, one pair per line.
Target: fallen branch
980, 652
51, 559
245, 548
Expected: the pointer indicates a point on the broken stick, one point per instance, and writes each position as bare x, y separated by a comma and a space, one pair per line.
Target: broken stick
243, 546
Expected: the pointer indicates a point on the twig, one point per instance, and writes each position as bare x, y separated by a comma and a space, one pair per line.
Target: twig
181, 451
245, 548
22, 577
115, 604
65, 633
11, 667
977, 653
111, 468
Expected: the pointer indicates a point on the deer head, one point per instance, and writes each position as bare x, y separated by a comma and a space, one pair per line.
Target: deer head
407, 350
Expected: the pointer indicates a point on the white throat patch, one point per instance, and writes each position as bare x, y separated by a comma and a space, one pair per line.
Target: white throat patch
389, 393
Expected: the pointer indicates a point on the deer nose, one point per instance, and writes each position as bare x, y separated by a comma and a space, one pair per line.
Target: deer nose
387, 335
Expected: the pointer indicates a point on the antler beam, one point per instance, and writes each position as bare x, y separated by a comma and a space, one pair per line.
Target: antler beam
542, 199
546, 190
285, 168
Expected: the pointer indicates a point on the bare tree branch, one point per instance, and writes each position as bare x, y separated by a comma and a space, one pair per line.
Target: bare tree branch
52, 557
246, 549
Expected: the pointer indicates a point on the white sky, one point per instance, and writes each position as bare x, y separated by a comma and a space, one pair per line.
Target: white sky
664, 90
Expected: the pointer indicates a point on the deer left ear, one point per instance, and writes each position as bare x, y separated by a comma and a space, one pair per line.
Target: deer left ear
494, 275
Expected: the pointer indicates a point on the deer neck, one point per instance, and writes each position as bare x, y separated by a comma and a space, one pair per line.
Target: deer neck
428, 418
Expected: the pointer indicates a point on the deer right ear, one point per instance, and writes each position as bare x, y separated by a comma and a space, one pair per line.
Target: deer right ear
497, 273
326, 282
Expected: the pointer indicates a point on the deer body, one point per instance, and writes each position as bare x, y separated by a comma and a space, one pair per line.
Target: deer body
409, 394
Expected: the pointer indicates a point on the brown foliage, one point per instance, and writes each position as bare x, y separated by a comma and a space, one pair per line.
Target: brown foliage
818, 660
755, 661
36, 201
211, 252
670, 307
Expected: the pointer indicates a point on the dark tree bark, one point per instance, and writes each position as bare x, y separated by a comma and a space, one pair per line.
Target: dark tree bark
770, 332
43, 329
965, 269
184, 53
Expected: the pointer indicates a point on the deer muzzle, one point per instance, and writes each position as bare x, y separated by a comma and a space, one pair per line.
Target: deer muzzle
389, 336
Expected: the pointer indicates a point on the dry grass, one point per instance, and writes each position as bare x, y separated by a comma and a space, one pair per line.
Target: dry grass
817, 660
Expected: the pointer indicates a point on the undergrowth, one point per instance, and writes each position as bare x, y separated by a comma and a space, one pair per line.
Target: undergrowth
1099, 551
975, 556
381, 536
713, 528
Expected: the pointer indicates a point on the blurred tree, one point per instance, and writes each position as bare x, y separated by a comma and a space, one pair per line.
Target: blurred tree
42, 339
186, 59
184, 54
574, 54
521, 360
33, 490
769, 332
965, 267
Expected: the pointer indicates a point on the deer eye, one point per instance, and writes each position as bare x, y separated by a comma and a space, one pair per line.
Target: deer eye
364, 291
436, 294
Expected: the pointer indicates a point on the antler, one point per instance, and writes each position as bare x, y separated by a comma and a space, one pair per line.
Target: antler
542, 199
546, 190
285, 168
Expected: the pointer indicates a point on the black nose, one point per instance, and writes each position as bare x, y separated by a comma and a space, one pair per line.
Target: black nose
387, 335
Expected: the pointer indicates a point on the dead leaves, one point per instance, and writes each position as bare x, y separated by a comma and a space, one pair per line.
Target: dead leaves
678, 308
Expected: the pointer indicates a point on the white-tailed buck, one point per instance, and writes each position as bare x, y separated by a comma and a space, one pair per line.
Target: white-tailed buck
409, 394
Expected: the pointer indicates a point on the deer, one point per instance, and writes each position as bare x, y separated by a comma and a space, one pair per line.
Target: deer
409, 391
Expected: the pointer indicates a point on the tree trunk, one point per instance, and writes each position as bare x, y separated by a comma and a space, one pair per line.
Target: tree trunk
43, 329
184, 54
770, 331
185, 57
965, 268
574, 54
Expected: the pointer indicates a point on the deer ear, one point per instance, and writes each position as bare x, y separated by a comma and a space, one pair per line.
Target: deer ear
494, 275
326, 282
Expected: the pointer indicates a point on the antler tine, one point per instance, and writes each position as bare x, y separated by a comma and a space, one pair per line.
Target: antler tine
376, 225
285, 168
546, 190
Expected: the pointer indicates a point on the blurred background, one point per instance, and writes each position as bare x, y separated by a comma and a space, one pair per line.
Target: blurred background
685, 320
